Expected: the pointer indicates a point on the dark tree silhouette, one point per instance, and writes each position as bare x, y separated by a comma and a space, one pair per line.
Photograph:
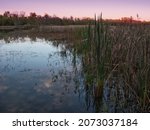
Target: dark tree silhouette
35, 20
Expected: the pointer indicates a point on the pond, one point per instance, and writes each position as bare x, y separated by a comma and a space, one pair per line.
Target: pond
39, 76
42, 74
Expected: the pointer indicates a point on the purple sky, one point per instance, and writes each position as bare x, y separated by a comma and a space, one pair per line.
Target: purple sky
80, 8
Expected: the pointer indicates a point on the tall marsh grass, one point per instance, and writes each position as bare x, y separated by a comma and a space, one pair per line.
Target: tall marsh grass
118, 54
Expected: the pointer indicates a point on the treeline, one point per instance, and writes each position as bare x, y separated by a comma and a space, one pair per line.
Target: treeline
10, 19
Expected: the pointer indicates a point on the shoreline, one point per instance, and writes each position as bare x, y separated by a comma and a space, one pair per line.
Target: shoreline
41, 27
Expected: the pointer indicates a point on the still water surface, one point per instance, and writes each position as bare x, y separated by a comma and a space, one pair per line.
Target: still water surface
44, 75
39, 76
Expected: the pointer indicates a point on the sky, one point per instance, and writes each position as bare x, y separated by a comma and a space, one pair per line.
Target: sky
111, 9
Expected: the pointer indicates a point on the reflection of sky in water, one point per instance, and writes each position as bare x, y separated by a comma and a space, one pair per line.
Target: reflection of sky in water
29, 56
36, 76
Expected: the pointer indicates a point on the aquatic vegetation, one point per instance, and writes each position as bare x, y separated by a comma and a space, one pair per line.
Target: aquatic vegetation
121, 55
105, 68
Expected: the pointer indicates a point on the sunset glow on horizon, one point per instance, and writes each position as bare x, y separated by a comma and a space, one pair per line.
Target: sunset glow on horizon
111, 9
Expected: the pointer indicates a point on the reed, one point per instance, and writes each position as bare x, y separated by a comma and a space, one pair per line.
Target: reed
121, 53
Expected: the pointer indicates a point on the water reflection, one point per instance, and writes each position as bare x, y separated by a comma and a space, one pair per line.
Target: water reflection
38, 75
44, 73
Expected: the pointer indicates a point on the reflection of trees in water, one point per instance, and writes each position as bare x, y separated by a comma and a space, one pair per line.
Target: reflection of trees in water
34, 34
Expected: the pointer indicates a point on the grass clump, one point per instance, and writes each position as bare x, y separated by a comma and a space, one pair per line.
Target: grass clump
118, 54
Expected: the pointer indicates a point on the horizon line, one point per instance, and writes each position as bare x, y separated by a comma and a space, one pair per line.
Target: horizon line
81, 17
